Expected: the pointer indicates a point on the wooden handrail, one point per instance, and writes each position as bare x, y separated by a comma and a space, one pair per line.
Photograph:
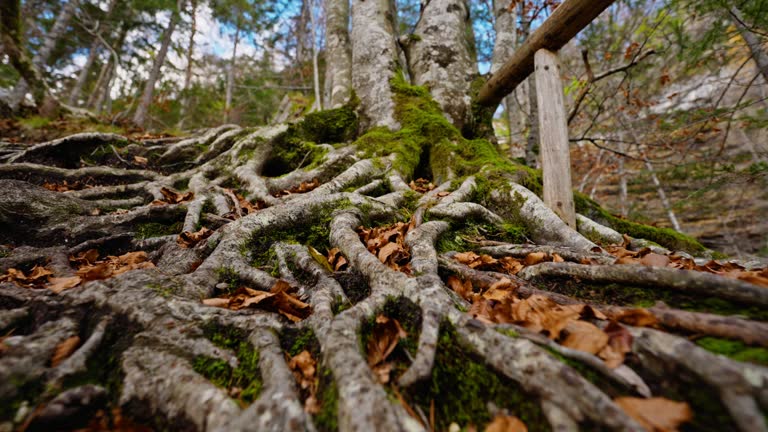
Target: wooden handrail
565, 22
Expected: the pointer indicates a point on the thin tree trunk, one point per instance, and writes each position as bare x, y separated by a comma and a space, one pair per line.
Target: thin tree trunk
753, 42
622, 179
505, 25
188, 73
338, 70
140, 117
92, 54
103, 83
41, 58
440, 58
318, 105
659, 188
231, 77
374, 54
532, 147
83, 76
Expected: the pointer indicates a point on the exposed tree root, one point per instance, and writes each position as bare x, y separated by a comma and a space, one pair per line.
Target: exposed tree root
146, 344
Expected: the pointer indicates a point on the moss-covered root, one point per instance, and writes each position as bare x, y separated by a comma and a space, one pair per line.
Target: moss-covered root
575, 399
543, 224
278, 406
739, 385
686, 281
666, 237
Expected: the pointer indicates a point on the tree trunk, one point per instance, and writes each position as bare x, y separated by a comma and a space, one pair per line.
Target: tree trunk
74, 96
231, 77
505, 25
40, 60
374, 54
338, 63
756, 46
317, 316
188, 73
140, 117
440, 56
318, 103
103, 86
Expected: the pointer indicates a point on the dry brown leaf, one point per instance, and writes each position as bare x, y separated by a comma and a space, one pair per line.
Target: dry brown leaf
619, 344
639, 317
655, 260
304, 187
541, 314
584, 336
534, 258
189, 239
656, 414
336, 259
463, 289
103, 270
384, 338
506, 423
557, 258
281, 299
170, 196
58, 285
140, 160
64, 349
421, 185
86, 257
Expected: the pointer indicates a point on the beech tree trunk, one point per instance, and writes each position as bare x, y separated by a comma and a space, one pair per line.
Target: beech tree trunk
440, 56
338, 66
140, 117
141, 347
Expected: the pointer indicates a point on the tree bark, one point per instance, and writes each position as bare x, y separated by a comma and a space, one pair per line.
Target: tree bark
759, 55
140, 117
505, 25
190, 60
318, 103
440, 56
231, 76
338, 69
93, 52
40, 60
374, 54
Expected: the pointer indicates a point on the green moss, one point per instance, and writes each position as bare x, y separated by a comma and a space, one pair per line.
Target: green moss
315, 233
461, 385
647, 296
34, 122
328, 397
666, 237
296, 147
426, 134
734, 349
155, 229
246, 376
463, 237
229, 276
181, 184
163, 290
295, 341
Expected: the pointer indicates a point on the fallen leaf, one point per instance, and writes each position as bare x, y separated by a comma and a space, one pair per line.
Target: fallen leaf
542, 314
386, 333
64, 349
506, 423
534, 258
58, 285
655, 260
639, 317
170, 196
619, 344
656, 414
463, 289
189, 239
421, 185
281, 299
140, 160
584, 336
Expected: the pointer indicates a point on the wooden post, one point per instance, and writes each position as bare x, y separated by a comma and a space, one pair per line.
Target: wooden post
553, 133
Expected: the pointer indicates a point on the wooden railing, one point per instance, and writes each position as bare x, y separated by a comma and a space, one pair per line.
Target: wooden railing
539, 53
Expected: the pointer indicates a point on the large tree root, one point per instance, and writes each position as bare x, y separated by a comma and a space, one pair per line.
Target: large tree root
144, 342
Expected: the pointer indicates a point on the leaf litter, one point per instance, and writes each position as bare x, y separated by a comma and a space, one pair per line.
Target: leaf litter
281, 298
88, 265
304, 187
647, 257
387, 243
387, 333
304, 369
171, 196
